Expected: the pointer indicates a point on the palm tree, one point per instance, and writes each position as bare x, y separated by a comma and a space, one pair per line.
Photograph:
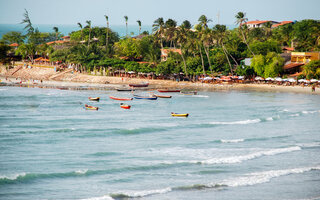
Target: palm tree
182, 36
220, 35
89, 25
27, 21
126, 18
139, 23
56, 30
241, 19
203, 21
199, 45
170, 28
80, 26
158, 28
207, 40
268, 26
107, 34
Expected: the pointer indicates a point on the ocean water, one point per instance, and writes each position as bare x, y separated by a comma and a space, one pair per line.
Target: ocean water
234, 145
67, 29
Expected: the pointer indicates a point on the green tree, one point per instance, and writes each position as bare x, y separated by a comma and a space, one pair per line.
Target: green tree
13, 37
89, 26
27, 51
80, 26
158, 29
241, 20
312, 69
56, 30
107, 32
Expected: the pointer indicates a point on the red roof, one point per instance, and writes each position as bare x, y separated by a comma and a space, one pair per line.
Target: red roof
292, 65
65, 37
167, 51
282, 23
14, 45
257, 22
288, 48
57, 42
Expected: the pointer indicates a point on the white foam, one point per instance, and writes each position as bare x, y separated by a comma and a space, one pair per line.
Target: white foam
309, 112
249, 121
14, 176
295, 115
81, 171
232, 141
3, 89
269, 119
144, 193
239, 159
200, 96
263, 177
105, 197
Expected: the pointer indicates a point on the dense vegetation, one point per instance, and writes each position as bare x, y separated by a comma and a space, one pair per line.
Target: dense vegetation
204, 50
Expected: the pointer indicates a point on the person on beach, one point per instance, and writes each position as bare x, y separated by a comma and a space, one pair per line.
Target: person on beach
313, 88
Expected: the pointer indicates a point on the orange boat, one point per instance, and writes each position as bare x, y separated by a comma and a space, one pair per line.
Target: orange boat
87, 107
125, 106
94, 98
120, 98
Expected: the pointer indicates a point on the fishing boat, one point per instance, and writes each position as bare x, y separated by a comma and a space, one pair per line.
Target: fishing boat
87, 107
165, 90
151, 97
162, 96
120, 98
94, 98
139, 85
125, 106
125, 89
189, 92
179, 115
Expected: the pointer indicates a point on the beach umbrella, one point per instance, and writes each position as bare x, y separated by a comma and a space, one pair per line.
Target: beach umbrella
278, 79
207, 78
291, 80
301, 80
306, 81
241, 77
285, 80
258, 78
131, 72
269, 79
314, 80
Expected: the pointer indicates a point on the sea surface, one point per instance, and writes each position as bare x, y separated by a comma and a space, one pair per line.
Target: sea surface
234, 145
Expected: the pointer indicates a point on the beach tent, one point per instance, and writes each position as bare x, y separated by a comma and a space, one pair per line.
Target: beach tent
314, 80
291, 80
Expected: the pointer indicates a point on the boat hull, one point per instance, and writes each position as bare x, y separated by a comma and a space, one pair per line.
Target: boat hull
139, 85
168, 90
162, 96
94, 98
146, 98
179, 115
120, 99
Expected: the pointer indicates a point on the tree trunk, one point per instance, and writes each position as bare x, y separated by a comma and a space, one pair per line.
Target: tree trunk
204, 71
89, 37
231, 56
208, 56
225, 53
245, 41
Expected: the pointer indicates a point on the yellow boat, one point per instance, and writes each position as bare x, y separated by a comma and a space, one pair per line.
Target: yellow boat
179, 115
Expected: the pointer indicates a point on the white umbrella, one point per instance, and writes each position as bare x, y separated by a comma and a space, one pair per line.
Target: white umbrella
269, 79
301, 80
285, 80
291, 80
278, 79
207, 78
258, 78
314, 80
307, 81
241, 77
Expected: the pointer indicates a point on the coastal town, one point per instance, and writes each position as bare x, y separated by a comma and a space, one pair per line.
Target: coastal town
284, 53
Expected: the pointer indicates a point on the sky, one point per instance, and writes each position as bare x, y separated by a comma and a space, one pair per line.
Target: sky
74, 11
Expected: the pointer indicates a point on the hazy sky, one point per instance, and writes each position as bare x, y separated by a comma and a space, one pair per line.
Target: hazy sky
73, 11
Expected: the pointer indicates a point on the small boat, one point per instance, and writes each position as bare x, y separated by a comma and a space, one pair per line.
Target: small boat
164, 90
125, 106
94, 98
120, 98
189, 92
125, 89
139, 85
151, 97
87, 107
162, 96
179, 115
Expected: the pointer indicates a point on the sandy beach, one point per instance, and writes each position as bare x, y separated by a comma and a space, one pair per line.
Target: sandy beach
48, 78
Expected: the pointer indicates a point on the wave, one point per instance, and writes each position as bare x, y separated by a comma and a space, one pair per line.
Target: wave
245, 180
310, 112
249, 121
239, 159
105, 197
138, 130
232, 141
200, 96
103, 154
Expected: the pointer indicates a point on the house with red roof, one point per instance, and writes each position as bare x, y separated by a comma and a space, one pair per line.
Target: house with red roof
259, 23
282, 23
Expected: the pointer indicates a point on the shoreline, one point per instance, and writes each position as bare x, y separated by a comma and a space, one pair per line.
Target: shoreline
41, 77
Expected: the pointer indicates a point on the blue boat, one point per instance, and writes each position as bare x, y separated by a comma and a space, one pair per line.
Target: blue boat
147, 98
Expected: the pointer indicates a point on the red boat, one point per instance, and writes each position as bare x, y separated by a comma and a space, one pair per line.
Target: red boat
125, 106
139, 85
164, 90
120, 98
